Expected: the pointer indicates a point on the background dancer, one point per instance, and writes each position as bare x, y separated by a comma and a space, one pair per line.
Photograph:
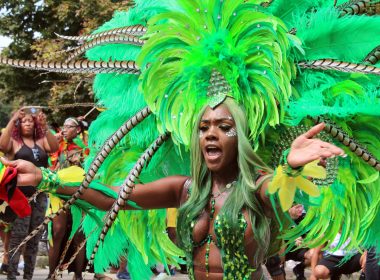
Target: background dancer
27, 137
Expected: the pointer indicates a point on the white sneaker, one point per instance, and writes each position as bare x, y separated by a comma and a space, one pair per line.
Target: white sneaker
162, 276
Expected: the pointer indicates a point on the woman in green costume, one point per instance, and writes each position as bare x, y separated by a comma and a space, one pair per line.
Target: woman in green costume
283, 62
224, 209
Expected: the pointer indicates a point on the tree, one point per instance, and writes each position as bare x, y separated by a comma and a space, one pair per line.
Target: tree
32, 25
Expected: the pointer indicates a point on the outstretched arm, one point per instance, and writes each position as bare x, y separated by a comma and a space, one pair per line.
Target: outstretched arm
163, 193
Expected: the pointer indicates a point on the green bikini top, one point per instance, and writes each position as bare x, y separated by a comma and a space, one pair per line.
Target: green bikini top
230, 242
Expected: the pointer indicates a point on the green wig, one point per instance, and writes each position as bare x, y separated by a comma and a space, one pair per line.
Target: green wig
243, 194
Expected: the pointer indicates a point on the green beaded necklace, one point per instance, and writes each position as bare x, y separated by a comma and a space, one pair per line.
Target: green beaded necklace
212, 212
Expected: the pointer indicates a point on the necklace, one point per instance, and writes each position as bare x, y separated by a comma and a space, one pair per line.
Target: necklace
212, 211
219, 193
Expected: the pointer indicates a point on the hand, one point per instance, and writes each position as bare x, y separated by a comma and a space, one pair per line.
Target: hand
298, 241
305, 148
27, 173
41, 118
18, 115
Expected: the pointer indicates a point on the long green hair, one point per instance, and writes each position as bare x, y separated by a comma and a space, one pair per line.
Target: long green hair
243, 195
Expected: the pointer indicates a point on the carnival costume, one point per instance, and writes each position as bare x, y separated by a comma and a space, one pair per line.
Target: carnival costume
288, 63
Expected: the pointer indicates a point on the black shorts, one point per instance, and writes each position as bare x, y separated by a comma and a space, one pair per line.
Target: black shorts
333, 263
296, 255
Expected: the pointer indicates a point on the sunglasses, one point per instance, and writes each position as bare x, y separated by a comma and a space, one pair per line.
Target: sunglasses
69, 126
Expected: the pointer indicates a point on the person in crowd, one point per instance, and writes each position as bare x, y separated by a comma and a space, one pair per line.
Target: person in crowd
71, 152
336, 261
122, 272
27, 137
299, 253
276, 263
372, 266
5, 235
53, 157
223, 191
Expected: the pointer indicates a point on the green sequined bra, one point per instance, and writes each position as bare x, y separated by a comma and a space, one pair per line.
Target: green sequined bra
231, 244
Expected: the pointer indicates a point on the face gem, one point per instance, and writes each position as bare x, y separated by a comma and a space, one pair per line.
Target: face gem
231, 133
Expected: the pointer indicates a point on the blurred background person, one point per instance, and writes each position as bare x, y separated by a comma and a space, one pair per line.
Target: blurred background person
27, 137
5, 235
336, 261
72, 151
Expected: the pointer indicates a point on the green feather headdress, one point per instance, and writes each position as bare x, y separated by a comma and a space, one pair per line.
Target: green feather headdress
249, 49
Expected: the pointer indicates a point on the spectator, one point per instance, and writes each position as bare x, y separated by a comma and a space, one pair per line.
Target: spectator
331, 265
299, 253
71, 152
27, 137
372, 267
4, 234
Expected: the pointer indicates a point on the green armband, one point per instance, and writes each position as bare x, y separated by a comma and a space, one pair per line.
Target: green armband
50, 181
287, 169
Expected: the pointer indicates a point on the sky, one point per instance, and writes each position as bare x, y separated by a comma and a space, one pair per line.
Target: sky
4, 41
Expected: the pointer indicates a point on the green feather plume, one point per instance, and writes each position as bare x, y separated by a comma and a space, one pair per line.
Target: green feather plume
339, 95
326, 35
249, 48
350, 205
289, 11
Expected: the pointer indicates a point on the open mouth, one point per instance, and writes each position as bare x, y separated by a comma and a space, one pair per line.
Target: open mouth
213, 152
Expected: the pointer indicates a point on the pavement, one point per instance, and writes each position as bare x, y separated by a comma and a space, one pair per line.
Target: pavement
41, 272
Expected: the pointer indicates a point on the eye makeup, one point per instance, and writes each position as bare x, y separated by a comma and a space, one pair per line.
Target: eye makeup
231, 133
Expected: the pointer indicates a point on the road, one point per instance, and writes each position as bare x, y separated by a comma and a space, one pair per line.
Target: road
41, 272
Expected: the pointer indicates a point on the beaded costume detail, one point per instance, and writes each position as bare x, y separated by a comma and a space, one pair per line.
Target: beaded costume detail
229, 241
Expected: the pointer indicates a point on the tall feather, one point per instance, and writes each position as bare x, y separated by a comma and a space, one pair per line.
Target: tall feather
247, 47
326, 35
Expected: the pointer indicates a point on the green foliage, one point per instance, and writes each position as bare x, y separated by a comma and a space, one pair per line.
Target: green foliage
32, 25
